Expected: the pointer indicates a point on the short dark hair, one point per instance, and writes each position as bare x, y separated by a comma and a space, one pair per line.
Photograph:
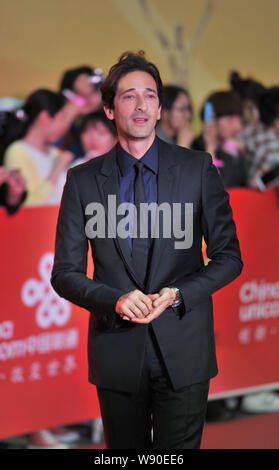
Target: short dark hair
69, 77
170, 93
128, 62
247, 88
269, 106
94, 118
225, 103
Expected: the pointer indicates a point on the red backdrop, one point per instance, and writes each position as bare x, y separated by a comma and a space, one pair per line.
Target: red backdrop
43, 339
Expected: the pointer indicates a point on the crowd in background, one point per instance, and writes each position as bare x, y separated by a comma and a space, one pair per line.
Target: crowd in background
51, 131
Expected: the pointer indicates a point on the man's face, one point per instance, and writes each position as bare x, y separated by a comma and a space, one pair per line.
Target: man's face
136, 106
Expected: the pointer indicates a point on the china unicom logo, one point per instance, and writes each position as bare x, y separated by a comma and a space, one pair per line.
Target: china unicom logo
51, 309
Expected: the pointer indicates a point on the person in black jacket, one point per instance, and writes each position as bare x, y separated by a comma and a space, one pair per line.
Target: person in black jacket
151, 346
219, 138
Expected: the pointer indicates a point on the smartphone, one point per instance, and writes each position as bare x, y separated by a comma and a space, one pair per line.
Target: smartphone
208, 112
267, 178
74, 98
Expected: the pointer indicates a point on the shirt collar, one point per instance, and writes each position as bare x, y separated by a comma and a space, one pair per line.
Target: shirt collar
126, 161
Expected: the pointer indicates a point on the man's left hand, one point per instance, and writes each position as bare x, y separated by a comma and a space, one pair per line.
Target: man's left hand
165, 299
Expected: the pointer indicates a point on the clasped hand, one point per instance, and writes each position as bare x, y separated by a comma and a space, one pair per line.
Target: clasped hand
137, 307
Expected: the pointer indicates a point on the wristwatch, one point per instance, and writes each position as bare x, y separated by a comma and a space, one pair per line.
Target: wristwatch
178, 298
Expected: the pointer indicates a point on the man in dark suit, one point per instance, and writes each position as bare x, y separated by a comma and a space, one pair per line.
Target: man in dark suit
151, 346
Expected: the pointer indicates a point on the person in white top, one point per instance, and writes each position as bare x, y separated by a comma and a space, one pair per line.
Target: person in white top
30, 134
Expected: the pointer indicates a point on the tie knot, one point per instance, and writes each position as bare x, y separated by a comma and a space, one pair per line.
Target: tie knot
139, 166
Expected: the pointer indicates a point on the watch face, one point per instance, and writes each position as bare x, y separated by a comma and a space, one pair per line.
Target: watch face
177, 297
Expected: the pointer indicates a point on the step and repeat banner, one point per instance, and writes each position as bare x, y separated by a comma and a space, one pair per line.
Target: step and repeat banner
43, 338
246, 312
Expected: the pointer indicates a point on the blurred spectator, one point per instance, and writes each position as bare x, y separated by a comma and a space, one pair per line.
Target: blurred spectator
97, 135
12, 190
8, 104
29, 134
175, 124
81, 85
249, 91
85, 82
219, 137
261, 140
12, 184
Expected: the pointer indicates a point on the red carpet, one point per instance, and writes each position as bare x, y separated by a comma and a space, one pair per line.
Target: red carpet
255, 432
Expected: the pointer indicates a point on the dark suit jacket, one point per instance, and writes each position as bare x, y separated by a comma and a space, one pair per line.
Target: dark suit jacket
185, 335
234, 172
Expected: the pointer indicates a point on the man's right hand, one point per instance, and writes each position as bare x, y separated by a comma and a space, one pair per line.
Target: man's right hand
135, 304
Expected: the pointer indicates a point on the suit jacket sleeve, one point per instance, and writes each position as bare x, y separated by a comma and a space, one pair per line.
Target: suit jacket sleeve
70, 263
219, 232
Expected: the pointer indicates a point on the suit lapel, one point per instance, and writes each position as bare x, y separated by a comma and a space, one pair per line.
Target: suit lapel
168, 176
107, 181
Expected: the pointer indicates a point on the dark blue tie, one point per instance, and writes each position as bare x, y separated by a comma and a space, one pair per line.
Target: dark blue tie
140, 245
